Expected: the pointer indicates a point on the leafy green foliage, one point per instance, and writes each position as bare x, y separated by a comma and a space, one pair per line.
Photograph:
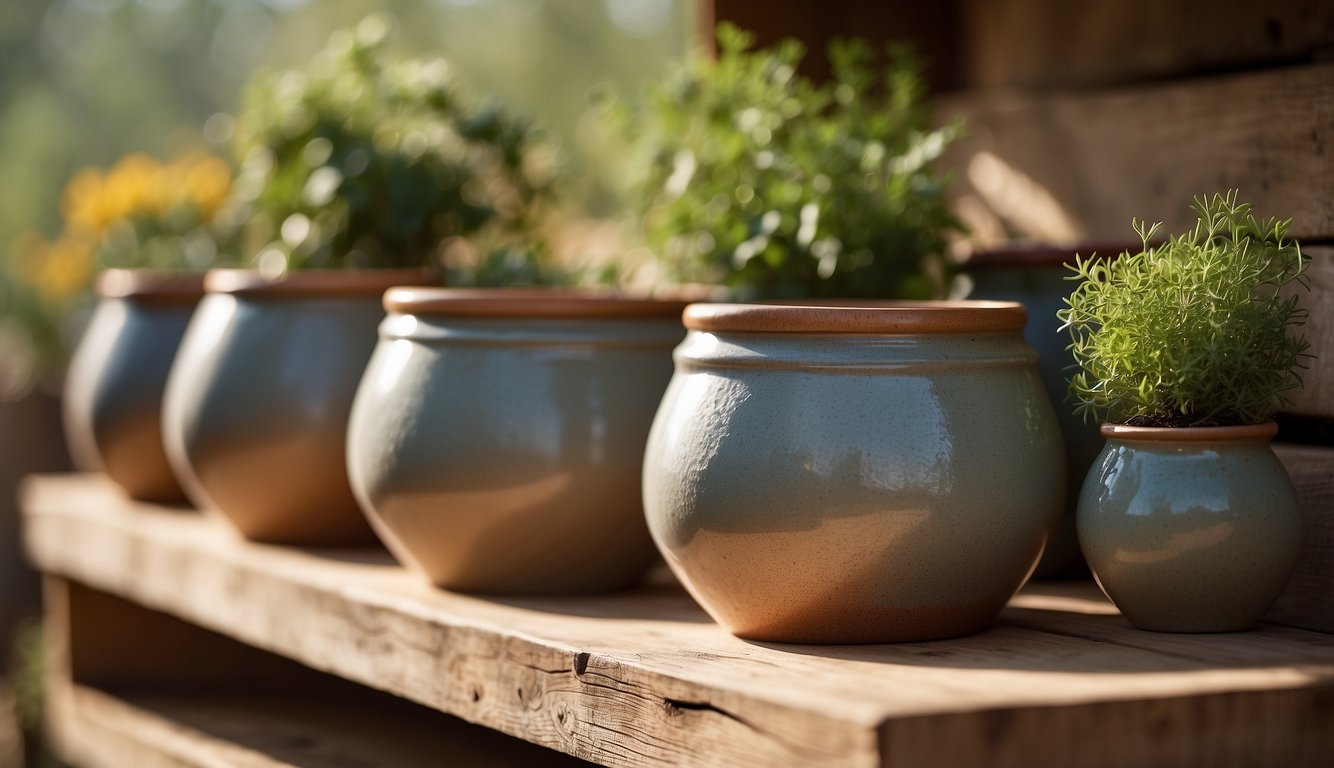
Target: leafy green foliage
757, 178
361, 161
1193, 332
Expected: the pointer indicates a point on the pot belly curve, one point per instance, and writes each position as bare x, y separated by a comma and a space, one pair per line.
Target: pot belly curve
853, 506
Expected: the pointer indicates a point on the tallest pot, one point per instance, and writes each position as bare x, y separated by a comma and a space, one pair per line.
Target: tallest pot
257, 403
854, 474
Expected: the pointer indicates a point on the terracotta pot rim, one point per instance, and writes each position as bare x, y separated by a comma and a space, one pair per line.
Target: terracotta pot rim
887, 317
1264, 431
157, 286
315, 282
549, 303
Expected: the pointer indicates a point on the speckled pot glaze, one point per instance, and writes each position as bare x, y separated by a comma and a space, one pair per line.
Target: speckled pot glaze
854, 474
497, 436
257, 403
113, 389
1190, 530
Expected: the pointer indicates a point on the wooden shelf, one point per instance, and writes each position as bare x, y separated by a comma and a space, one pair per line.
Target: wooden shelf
644, 678
111, 729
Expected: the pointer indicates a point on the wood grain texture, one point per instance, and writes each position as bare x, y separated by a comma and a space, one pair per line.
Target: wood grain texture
1309, 599
644, 678
1048, 43
172, 694
1065, 168
96, 728
1316, 397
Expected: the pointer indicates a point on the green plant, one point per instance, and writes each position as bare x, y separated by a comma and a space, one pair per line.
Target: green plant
1197, 331
758, 178
141, 213
363, 161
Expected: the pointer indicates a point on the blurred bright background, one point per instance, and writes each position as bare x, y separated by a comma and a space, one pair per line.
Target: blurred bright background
86, 82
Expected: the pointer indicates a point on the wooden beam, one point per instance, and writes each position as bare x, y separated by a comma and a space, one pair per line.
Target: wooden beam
931, 27
1316, 397
1056, 43
1069, 168
1309, 599
172, 694
644, 678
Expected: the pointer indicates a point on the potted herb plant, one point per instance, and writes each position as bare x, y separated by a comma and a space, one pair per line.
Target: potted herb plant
357, 173
1187, 518
752, 176
153, 227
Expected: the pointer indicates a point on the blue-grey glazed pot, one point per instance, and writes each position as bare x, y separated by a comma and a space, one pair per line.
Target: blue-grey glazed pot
497, 437
854, 474
1036, 278
1190, 530
257, 402
113, 389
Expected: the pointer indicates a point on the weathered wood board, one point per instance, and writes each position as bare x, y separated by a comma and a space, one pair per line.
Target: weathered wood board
95, 728
131, 687
1057, 43
1076, 167
644, 678
1309, 599
1316, 397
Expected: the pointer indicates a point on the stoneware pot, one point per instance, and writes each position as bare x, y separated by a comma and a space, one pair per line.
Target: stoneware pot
854, 474
497, 437
257, 403
1036, 277
1190, 530
113, 389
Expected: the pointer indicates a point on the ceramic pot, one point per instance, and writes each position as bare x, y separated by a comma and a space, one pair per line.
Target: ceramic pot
497, 437
854, 474
1036, 277
257, 402
1190, 530
113, 389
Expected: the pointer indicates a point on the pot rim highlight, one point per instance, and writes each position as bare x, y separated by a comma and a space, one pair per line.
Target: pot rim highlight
1264, 431
315, 282
866, 317
548, 303
151, 286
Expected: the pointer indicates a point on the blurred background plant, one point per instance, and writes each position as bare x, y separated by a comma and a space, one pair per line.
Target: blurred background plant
140, 213
85, 82
755, 177
363, 160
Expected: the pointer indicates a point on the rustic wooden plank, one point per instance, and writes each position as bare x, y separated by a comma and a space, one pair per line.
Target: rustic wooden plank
644, 679
1065, 168
1309, 599
1316, 397
1045, 43
933, 28
96, 728
172, 694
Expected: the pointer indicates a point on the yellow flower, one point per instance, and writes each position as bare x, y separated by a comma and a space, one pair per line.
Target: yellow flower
207, 183
55, 271
81, 204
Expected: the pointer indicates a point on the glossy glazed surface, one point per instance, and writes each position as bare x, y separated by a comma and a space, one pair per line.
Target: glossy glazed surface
113, 393
853, 488
503, 454
1196, 535
257, 405
1041, 287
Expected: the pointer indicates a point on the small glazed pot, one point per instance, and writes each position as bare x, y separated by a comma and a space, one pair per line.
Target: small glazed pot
1191, 529
113, 390
497, 437
854, 474
256, 408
